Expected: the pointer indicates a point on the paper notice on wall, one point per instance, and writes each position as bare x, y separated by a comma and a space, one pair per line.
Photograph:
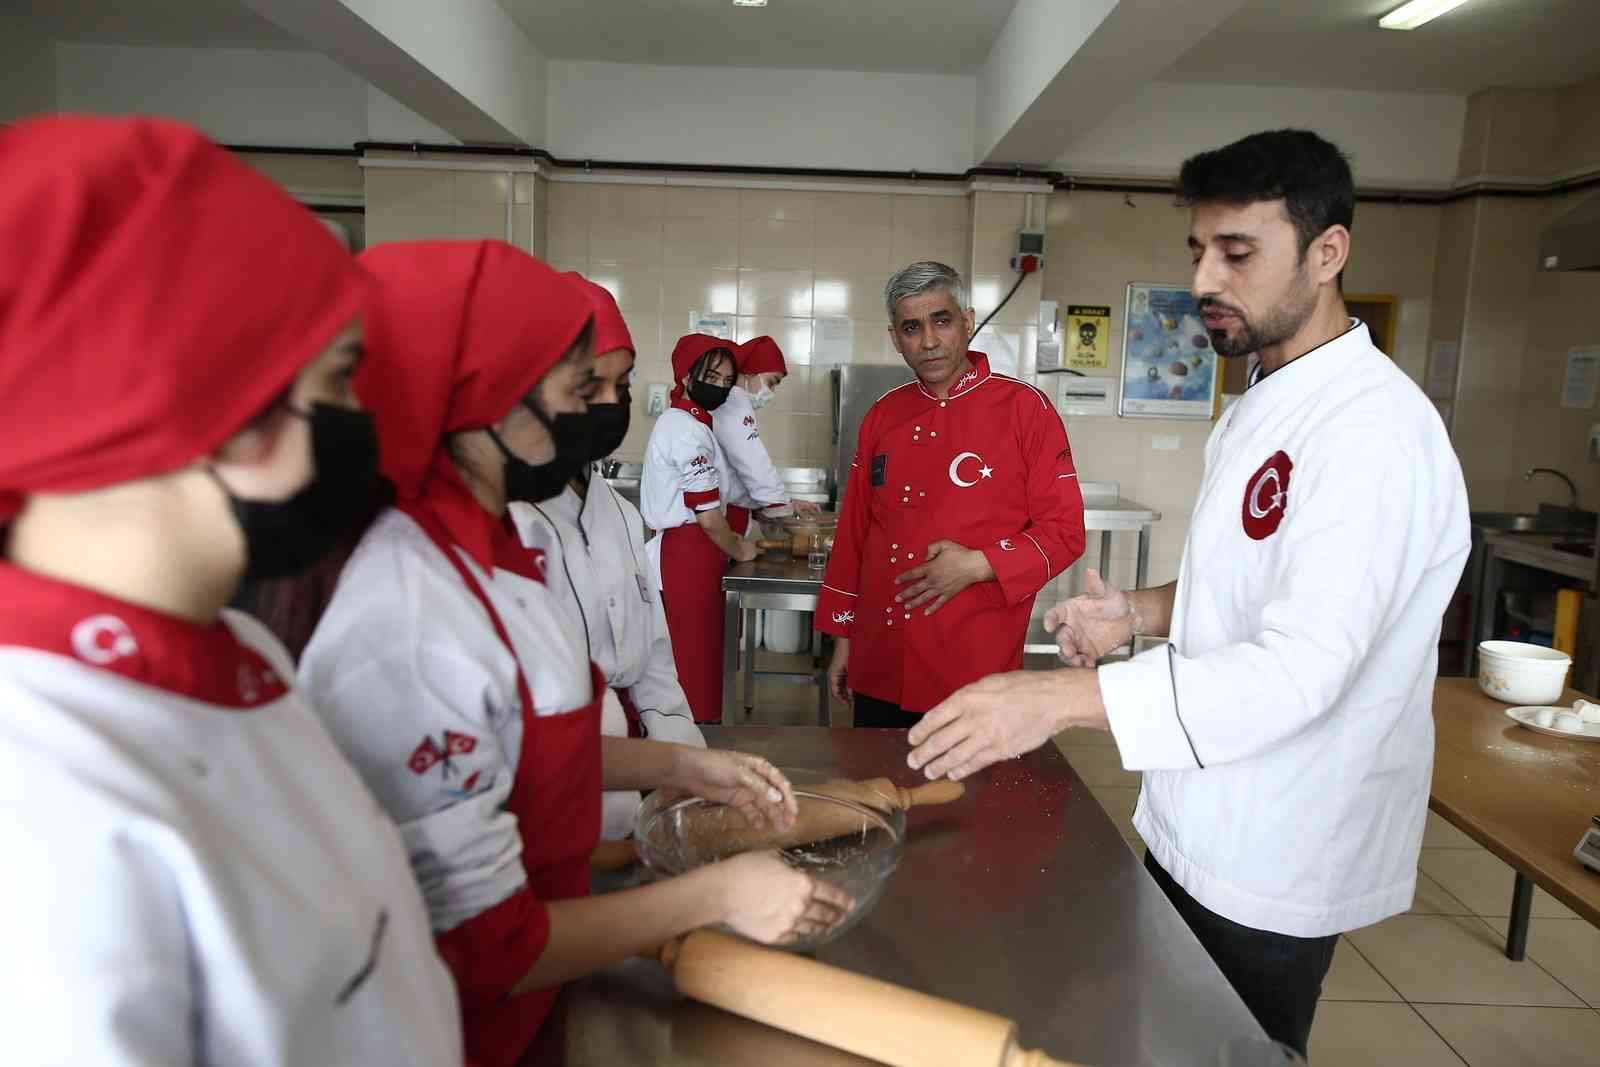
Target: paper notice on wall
1583, 374
832, 340
707, 323
1444, 359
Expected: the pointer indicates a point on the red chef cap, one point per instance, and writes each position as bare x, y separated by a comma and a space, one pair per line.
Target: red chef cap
459, 332
761, 355
156, 295
610, 331
687, 353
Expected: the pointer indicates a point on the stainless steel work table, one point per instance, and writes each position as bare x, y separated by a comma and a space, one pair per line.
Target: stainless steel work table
1021, 898
778, 585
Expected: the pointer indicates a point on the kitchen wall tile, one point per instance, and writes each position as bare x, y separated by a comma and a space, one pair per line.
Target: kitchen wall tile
848, 295
858, 209
1023, 308
408, 189
690, 202
701, 242
569, 200
481, 187
950, 247
625, 240
410, 224
785, 204
793, 394
853, 246
637, 202
992, 249
328, 175
776, 244
706, 289
775, 292
577, 266
480, 220
636, 287
792, 335
525, 188
646, 330
872, 343
568, 236
930, 214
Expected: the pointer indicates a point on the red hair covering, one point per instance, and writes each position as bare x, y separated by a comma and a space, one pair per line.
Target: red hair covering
610, 331
459, 332
687, 352
156, 295
761, 355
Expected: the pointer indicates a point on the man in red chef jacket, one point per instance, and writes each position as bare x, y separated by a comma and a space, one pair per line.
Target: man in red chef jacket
962, 503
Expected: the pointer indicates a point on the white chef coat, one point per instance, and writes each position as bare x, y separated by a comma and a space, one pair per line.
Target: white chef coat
195, 883
404, 664
1286, 733
597, 567
750, 480
684, 471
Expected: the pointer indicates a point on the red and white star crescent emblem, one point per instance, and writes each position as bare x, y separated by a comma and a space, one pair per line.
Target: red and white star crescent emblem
1266, 497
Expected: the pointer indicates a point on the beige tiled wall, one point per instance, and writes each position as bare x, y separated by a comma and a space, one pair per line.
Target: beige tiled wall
408, 205
774, 260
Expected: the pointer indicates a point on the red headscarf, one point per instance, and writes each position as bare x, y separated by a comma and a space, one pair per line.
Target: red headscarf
687, 353
610, 331
761, 355
156, 295
459, 332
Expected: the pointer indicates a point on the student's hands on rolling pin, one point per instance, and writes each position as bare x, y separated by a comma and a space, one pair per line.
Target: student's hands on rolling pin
745, 551
757, 789
766, 900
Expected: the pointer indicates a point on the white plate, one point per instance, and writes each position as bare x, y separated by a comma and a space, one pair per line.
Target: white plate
1589, 731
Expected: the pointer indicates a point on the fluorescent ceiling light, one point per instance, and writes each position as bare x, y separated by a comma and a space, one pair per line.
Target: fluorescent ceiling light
749, 3
1410, 16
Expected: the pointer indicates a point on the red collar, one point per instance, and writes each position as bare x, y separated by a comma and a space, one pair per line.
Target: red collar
700, 414
206, 663
968, 381
492, 543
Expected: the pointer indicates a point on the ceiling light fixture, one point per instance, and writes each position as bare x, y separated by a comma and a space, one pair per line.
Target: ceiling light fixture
1410, 16
749, 3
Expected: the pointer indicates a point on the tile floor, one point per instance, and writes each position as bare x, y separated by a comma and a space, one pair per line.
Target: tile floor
1431, 988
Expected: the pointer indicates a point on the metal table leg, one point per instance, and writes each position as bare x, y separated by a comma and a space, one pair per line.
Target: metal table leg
820, 650
749, 643
730, 653
1521, 909
1105, 554
1142, 568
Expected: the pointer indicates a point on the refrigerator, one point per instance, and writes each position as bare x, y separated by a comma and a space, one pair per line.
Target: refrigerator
856, 387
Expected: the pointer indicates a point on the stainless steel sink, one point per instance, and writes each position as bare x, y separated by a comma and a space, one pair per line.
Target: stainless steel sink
1547, 520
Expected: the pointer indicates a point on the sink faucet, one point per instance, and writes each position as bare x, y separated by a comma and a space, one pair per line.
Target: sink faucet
1528, 474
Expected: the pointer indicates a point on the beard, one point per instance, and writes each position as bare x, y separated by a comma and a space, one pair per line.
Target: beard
1276, 326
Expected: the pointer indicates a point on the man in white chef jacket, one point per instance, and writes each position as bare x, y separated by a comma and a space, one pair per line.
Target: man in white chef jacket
1285, 731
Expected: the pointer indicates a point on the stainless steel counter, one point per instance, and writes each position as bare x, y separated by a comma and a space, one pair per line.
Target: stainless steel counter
1021, 899
776, 585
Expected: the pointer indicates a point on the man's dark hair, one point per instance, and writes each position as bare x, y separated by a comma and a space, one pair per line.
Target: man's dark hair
1309, 174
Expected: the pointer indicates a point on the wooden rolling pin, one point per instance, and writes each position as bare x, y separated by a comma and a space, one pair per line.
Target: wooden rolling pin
861, 1015
816, 822
797, 545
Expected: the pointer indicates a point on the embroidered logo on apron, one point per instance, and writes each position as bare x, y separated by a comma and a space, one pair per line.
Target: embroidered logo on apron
1266, 496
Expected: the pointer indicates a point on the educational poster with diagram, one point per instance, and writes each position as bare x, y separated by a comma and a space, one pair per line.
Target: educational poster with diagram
1169, 369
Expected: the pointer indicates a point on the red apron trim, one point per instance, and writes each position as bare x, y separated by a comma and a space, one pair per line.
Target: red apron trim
205, 663
738, 519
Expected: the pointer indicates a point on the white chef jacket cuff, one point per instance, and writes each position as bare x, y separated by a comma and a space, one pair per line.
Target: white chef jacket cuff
1142, 706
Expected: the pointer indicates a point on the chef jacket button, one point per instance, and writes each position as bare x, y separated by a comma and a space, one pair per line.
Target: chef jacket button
919, 428
936, 433
943, 404
922, 494
905, 500
894, 559
911, 555
916, 437
894, 546
908, 615
908, 489
889, 623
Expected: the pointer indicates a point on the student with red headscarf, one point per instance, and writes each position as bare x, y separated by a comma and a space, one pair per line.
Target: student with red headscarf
593, 541
680, 495
195, 874
753, 483
450, 675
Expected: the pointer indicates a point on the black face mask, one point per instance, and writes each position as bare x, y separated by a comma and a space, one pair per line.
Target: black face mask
532, 483
608, 425
708, 396
283, 538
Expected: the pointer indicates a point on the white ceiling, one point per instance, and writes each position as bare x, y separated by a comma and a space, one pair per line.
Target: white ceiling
171, 23
1337, 43
934, 36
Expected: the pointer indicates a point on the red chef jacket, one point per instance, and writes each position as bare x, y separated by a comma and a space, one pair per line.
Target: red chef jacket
989, 468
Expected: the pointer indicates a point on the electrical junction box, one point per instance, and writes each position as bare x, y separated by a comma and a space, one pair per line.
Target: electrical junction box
1030, 250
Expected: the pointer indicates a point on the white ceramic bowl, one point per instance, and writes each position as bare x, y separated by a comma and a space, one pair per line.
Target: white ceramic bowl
1518, 673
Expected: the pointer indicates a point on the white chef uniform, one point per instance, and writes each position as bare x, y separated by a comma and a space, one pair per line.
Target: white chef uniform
596, 565
404, 665
750, 479
684, 470
191, 881
1286, 733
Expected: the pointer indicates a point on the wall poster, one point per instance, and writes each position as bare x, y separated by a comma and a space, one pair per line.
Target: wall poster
1169, 369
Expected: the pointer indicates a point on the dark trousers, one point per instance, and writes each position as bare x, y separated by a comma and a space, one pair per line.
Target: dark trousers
882, 715
1278, 977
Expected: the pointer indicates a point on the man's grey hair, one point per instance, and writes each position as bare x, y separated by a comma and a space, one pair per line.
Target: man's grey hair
919, 278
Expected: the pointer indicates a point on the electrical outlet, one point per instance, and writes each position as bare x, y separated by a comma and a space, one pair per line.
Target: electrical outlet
656, 404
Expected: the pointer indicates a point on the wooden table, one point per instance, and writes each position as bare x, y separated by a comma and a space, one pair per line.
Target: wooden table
1522, 795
